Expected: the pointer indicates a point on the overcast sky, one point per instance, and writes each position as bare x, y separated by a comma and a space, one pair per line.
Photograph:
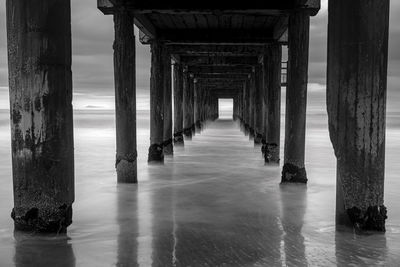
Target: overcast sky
92, 38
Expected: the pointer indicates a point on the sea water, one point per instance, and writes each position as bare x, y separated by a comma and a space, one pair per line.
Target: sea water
214, 203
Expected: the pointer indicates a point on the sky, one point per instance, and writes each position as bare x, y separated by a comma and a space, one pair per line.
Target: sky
92, 39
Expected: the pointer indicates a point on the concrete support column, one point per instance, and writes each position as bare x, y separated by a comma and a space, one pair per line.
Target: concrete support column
156, 151
187, 105
167, 143
356, 99
178, 104
296, 98
125, 96
258, 105
40, 80
272, 81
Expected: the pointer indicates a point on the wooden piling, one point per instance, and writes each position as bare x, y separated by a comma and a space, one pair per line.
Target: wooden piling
156, 153
197, 105
178, 104
258, 105
247, 105
187, 105
191, 102
168, 141
125, 96
252, 86
296, 98
272, 81
40, 81
356, 99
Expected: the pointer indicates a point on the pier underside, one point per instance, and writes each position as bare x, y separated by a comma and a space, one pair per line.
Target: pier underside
202, 52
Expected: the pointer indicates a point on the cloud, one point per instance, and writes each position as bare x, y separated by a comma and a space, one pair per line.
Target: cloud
93, 36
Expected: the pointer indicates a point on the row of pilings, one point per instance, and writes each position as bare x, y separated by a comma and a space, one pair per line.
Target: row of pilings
40, 81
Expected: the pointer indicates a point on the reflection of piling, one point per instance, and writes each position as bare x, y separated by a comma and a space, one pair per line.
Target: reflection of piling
43, 250
294, 205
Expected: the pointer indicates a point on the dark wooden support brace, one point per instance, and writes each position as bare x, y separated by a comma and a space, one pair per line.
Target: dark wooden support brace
40, 80
258, 105
125, 96
272, 80
156, 151
178, 104
356, 99
296, 98
168, 141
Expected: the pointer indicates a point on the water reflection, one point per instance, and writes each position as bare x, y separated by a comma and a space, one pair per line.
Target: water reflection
127, 220
366, 250
43, 250
163, 221
293, 200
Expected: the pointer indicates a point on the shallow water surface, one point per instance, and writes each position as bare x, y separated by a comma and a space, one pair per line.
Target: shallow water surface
213, 203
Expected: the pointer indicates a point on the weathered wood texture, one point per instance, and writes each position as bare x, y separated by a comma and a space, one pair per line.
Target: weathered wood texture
218, 60
125, 97
272, 101
197, 104
210, 5
356, 98
156, 153
178, 104
258, 105
191, 102
217, 50
252, 96
247, 116
40, 80
296, 98
167, 143
187, 104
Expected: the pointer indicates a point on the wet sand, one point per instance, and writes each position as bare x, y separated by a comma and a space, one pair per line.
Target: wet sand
213, 203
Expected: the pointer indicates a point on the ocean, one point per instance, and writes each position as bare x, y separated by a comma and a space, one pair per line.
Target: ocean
214, 203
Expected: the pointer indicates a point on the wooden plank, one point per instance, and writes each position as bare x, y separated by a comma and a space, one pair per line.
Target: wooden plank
220, 69
208, 36
105, 6
145, 25
211, 4
280, 27
219, 60
217, 50
224, 76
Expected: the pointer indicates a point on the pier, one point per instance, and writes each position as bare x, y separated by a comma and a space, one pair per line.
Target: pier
200, 52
